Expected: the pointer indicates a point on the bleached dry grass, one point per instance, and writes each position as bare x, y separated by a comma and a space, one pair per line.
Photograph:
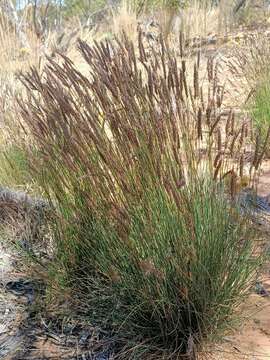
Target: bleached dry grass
124, 19
202, 19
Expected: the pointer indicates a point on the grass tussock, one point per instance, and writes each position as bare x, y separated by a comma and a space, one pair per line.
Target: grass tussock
143, 166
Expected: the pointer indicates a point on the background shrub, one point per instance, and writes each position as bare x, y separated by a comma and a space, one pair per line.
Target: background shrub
250, 64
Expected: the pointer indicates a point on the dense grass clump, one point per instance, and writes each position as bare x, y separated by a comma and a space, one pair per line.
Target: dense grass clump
135, 156
174, 277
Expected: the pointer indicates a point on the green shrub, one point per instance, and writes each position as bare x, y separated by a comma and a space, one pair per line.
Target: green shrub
83, 7
135, 157
14, 166
260, 110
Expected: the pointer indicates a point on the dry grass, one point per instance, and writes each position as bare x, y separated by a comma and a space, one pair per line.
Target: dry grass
124, 19
13, 58
201, 19
251, 61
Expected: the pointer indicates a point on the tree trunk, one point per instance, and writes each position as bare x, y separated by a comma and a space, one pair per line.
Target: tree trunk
10, 12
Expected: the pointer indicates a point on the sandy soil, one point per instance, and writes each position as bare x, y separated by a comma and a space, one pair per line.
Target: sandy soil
11, 310
252, 340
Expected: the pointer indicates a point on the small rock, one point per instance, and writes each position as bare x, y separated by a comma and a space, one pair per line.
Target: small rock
260, 290
84, 336
21, 287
